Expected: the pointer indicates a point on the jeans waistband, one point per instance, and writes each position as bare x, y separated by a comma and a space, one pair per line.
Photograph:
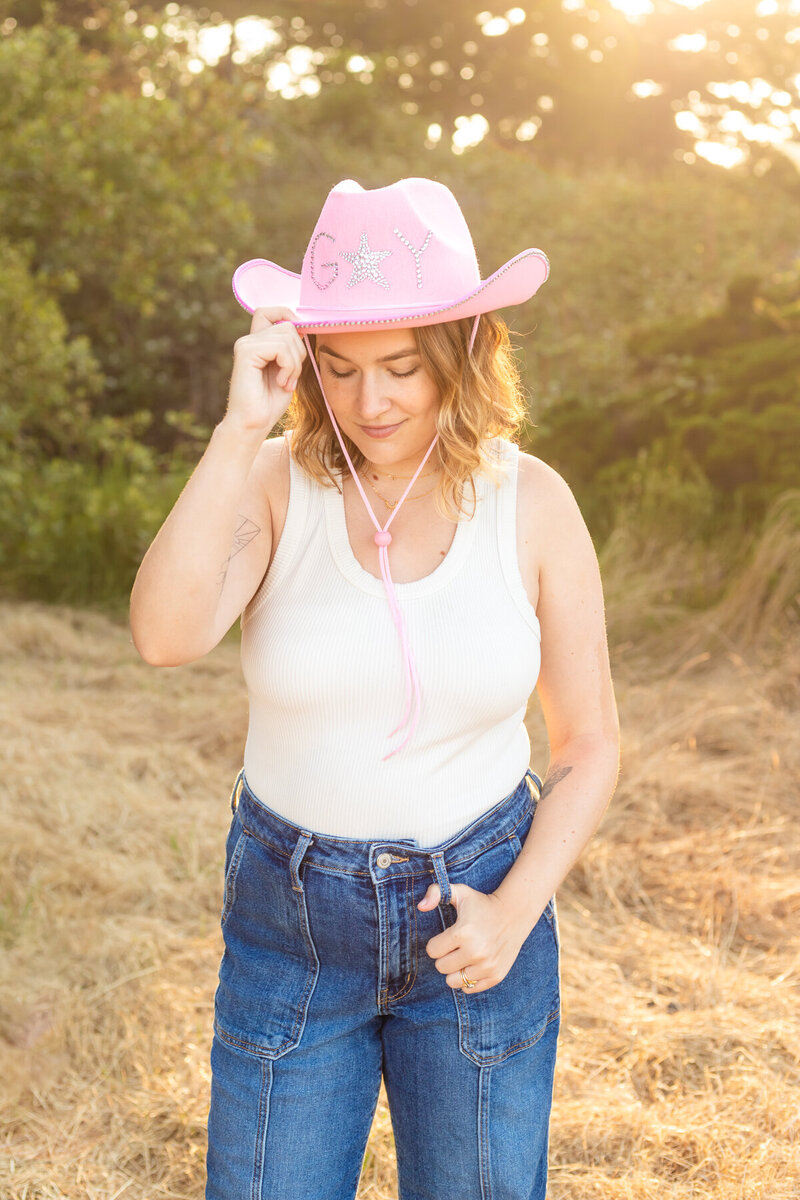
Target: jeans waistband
355, 856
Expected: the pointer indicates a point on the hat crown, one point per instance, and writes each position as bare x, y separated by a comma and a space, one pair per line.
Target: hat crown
395, 247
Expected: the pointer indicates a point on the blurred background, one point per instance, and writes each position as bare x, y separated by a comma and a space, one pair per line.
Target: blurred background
651, 148
652, 151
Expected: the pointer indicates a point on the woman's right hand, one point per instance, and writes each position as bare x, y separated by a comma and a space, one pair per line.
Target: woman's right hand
266, 368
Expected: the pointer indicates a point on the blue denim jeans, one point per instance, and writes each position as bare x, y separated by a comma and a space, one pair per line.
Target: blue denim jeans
325, 986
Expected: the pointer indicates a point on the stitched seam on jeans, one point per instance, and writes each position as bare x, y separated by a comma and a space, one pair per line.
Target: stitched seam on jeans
293, 1037
242, 1044
471, 857
490, 1060
313, 968
409, 849
385, 996
305, 925
256, 1186
484, 1091
412, 975
315, 866
233, 871
252, 1047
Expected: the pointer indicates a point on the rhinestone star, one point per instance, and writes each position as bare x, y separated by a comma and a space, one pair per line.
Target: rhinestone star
365, 263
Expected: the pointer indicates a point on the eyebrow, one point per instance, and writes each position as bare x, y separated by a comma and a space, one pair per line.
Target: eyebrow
386, 357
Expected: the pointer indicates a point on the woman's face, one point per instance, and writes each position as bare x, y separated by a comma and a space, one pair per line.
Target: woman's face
381, 394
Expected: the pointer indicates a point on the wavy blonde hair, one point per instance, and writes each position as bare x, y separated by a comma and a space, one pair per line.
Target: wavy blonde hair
481, 397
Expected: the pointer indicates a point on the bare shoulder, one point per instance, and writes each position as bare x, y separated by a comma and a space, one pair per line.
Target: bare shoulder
548, 522
553, 541
544, 496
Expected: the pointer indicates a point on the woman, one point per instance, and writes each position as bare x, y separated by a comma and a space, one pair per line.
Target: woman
405, 578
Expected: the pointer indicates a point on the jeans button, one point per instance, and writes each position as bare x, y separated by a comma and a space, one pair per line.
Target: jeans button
383, 860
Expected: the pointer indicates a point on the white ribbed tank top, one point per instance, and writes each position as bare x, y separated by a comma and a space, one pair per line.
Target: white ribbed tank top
323, 665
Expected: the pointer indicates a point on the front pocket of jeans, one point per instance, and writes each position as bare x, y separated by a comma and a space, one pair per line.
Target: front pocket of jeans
514, 1013
234, 848
269, 965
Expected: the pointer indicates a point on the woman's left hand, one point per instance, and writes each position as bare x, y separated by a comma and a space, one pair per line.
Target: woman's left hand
485, 938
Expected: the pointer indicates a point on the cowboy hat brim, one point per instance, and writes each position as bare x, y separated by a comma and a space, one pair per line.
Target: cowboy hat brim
259, 283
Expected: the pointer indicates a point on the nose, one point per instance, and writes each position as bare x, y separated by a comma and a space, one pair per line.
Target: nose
372, 399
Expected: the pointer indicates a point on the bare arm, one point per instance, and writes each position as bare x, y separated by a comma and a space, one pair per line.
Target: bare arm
213, 549
209, 556
577, 698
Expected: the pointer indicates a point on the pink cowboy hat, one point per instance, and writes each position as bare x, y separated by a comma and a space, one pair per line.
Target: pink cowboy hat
400, 255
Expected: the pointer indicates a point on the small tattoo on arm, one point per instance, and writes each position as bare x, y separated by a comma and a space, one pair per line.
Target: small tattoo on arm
551, 780
243, 535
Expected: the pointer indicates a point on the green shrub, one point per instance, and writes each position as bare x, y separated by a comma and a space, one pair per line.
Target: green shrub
74, 532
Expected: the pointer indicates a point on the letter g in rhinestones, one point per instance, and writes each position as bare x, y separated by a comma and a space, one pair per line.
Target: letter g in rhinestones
334, 266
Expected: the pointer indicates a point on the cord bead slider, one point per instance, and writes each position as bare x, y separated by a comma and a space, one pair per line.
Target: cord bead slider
382, 538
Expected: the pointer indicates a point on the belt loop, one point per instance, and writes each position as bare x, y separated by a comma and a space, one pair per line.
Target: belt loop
534, 786
237, 791
303, 842
439, 871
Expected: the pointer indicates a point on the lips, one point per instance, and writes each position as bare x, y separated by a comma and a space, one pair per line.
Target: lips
381, 431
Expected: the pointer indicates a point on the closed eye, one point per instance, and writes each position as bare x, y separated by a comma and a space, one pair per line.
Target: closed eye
396, 374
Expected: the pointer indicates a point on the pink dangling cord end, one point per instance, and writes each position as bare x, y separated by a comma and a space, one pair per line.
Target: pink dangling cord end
472, 336
383, 539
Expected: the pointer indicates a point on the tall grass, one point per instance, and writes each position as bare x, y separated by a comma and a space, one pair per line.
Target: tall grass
678, 1071
741, 590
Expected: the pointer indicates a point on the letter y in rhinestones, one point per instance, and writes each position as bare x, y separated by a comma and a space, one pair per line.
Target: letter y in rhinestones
416, 253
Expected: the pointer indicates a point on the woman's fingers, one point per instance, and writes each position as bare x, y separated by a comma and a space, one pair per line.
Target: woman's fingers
266, 366
274, 341
289, 368
455, 979
288, 360
452, 963
292, 371
266, 316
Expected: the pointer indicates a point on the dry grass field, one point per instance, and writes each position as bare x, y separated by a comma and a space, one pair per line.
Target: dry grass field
678, 1071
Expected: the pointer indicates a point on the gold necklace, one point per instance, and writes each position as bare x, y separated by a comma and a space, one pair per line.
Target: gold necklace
391, 476
390, 504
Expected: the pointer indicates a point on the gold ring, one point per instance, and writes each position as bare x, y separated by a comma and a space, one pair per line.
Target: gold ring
465, 979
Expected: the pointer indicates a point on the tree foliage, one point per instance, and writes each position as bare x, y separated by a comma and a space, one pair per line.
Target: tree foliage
130, 209
706, 434
571, 83
132, 183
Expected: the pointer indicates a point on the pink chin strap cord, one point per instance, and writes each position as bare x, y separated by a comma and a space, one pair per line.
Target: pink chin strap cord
383, 540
